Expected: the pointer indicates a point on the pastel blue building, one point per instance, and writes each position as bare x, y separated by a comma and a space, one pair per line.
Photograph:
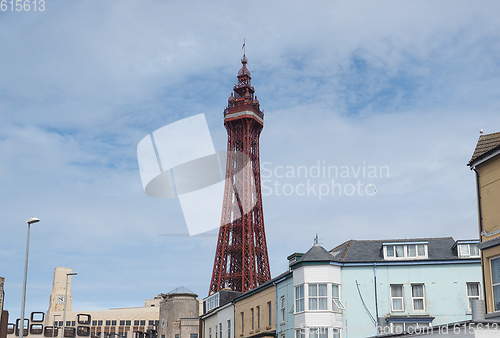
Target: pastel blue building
364, 288
391, 286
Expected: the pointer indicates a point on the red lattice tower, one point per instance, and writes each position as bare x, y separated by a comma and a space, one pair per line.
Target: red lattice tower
241, 261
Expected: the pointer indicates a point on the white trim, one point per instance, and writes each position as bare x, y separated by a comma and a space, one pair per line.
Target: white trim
474, 163
241, 113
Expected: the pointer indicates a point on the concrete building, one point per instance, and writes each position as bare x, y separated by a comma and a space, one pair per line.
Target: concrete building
4, 315
486, 164
179, 314
178, 310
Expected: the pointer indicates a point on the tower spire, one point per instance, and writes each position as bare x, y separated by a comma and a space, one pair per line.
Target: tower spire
241, 261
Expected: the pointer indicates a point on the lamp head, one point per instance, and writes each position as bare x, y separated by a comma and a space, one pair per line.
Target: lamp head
32, 220
71, 274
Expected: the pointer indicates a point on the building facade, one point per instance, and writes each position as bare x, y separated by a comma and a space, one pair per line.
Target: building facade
485, 162
390, 286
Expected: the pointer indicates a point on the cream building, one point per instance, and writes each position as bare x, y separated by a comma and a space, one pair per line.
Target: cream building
177, 310
486, 164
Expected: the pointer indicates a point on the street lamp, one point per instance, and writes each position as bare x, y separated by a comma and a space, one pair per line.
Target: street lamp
32, 220
54, 324
66, 300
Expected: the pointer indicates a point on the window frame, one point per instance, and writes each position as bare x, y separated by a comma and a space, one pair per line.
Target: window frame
390, 251
299, 303
402, 297
470, 298
414, 298
282, 308
469, 250
318, 298
496, 302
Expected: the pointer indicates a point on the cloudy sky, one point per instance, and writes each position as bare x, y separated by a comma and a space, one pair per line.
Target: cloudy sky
384, 94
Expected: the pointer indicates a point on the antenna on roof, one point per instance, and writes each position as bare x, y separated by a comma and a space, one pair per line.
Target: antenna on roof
316, 240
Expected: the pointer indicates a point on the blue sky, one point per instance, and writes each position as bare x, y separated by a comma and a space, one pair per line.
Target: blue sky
402, 85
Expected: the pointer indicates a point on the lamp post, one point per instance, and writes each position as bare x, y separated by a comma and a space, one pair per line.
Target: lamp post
54, 324
32, 220
66, 300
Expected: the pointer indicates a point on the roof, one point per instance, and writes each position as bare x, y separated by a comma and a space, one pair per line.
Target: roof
315, 254
485, 146
370, 251
263, 286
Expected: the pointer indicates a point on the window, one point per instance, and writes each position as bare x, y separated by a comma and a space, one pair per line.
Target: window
397, 301
136, 322
336, 332
299, 333
318, 297
282, 308
269, 313
210, 332
143, 322
211, 302
495, 282
337, 304
228, 328
220, 329
128, 322
405, 251
299, 298
318, 332
417, 297
468, 250
258, 317
113, 323
251, 311
151, 323
216, 331
99, 323
122, 323
242, 322
472, 293
193, 335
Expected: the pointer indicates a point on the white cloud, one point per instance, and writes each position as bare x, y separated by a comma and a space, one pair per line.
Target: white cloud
406, 85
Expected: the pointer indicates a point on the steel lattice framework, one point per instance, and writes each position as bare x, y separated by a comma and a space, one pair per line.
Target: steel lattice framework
241, 261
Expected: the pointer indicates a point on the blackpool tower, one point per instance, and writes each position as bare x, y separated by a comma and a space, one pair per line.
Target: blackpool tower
241, 261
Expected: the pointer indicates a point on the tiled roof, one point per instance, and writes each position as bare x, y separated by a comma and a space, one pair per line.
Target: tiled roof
368, 251
316, 254
485, 145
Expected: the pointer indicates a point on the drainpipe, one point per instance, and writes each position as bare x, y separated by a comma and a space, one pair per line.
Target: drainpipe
376, 298
480, 221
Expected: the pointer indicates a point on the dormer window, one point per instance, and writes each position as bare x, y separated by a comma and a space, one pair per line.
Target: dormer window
468, 250
211, 302
410, 250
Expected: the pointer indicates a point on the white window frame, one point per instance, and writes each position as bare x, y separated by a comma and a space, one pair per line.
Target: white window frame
300, 333
470, 298
402, 297
496, 302
468, 252
414, 298
299, 298
318, 332
282, 308
404, 252
337, 305
319, 298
